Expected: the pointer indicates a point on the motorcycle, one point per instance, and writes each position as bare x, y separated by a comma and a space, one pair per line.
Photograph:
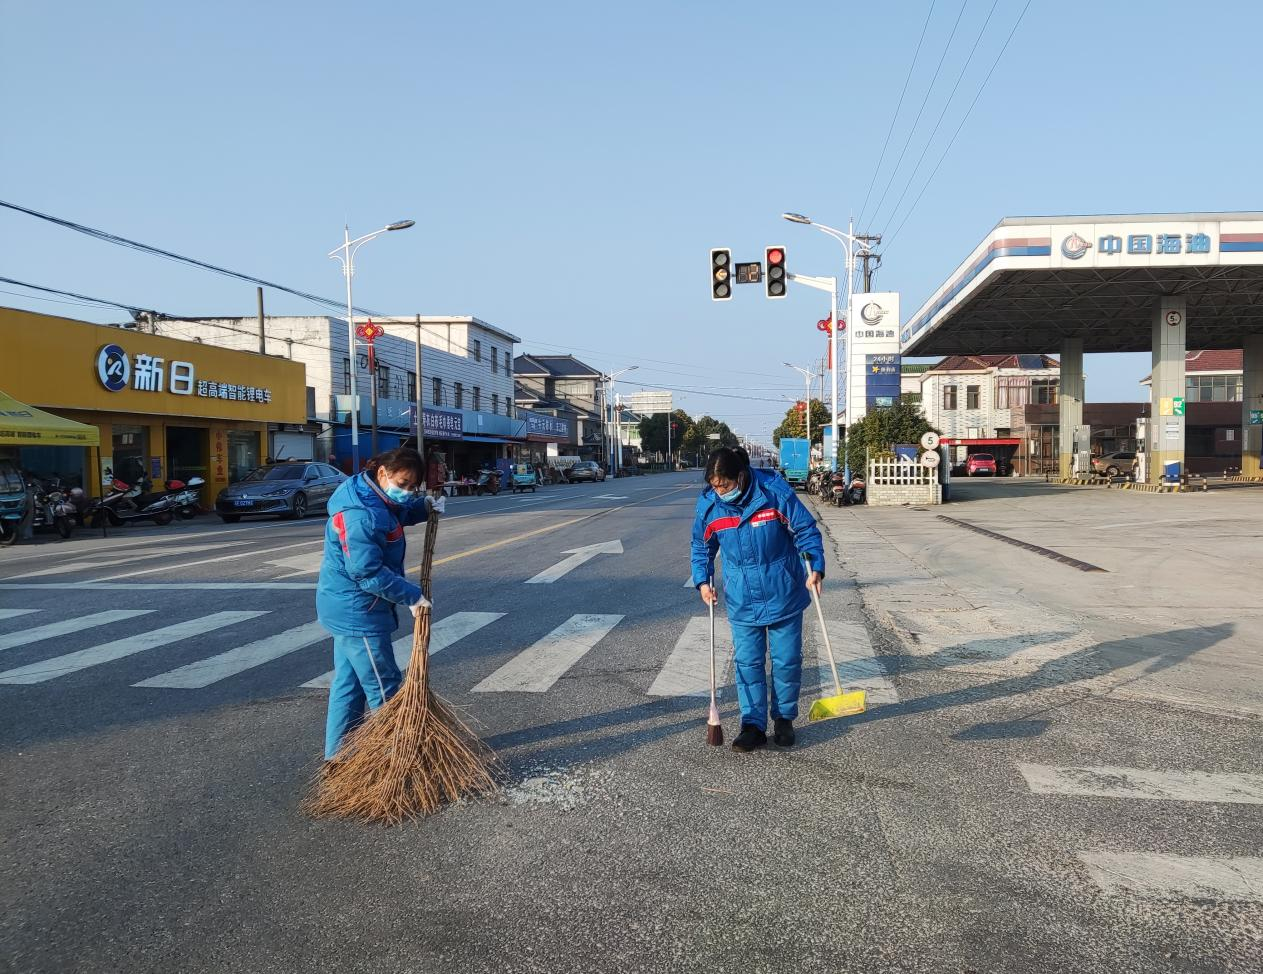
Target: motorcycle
132, 502
53, 506
185, 497
838, 488
488, 483
855, 493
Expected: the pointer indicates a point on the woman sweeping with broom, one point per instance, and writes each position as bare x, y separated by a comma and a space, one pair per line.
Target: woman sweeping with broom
362, 580
764, 532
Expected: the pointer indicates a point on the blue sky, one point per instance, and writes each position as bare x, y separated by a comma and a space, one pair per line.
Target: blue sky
569, 165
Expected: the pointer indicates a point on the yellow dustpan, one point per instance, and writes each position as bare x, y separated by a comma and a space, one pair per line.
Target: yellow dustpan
840, 704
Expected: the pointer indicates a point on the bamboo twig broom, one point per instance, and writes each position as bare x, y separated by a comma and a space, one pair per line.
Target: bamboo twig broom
413, 753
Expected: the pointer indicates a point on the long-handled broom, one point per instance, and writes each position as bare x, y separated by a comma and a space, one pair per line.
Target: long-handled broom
411, 754
840, 704
714, 729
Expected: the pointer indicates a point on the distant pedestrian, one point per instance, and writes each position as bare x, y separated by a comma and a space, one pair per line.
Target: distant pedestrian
362, 579
764, 532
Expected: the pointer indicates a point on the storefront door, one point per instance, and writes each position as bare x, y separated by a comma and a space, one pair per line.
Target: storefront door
188, 452
131, 447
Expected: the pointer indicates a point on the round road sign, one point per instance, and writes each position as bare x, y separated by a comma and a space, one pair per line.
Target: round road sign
929, 460
929, 441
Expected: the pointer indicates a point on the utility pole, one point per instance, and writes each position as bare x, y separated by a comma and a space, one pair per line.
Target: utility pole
871, 260
420, 398
258, 293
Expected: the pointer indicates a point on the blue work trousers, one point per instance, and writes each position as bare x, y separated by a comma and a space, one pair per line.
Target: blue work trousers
364, 674
784, 640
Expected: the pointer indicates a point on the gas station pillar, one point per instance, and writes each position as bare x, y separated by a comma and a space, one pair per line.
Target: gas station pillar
1070, 398
1166, 410
1252, 407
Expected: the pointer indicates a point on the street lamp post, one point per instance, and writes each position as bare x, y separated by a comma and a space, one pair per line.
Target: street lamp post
605, 410
346, 254
849, 241
806, 374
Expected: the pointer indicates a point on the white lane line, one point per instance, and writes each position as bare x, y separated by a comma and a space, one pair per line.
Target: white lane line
1159, 876
858, 666
542, 664
204, 672
119, 648
305, 564
687, 669
255, 555
443, 633
66, 626
87, 566
163, 586
1111, 782
14, 613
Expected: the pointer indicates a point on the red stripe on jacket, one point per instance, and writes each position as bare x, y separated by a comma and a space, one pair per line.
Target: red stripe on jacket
339, 525
721, 524
396, 534
768, 514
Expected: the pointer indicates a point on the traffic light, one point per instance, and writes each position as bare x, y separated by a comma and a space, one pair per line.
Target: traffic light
720, 274
777, 281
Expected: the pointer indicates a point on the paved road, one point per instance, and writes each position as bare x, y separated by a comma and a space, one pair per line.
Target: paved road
1001, 806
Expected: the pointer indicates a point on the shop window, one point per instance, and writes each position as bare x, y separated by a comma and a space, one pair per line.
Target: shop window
495, 403
243, 454
973, 397
412, 387
495, 359
460, 396
477, 398
437, 390
477, 350
383, 381
949, 397
346, 377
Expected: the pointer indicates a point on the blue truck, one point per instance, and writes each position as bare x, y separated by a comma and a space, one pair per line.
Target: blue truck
795, 461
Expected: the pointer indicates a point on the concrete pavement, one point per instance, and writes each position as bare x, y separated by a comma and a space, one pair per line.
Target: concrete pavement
1024, 794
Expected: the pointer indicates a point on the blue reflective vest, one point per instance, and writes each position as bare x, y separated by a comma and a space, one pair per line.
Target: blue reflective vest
763, 536
362, 576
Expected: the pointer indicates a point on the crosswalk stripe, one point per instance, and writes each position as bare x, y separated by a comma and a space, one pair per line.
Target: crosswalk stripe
14, 613
687, 670
204, 672
443, 633
539, 666
82, 566
120, 648
66, 626
1111, 782
1160, 876
858, 666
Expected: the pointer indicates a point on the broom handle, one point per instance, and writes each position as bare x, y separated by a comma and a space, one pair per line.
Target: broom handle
828, 648
421, 626
711, 605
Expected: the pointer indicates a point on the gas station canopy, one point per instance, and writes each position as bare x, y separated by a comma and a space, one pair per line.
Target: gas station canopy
1035, 281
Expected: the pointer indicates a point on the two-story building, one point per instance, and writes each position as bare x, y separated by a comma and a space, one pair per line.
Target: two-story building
465, 386
978, 402
563, 387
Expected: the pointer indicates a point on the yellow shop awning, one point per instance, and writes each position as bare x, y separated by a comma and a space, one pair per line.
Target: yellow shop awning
23, 425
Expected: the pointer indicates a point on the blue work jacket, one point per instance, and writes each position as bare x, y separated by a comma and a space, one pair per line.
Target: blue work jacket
763, 535
362, 576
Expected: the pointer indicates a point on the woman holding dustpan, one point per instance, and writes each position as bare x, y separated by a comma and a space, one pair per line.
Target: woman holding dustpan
765, 534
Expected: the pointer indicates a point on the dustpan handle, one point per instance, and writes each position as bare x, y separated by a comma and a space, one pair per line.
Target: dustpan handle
824, 631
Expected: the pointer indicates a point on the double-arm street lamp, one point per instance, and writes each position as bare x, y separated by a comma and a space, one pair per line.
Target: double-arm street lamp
346, 254
850, 242
610, 441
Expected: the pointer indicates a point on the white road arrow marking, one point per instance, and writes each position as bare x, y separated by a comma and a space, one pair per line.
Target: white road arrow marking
577, 557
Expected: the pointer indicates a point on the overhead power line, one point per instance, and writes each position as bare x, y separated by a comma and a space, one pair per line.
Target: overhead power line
82, 298
895, 117
963, 120
180, 258
941, 115
916, 121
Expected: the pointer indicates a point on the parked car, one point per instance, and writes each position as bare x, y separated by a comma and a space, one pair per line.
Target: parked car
586, 470
980, 464
289, 490
1113, 464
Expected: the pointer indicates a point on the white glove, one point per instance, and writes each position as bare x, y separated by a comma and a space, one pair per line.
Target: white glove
437, 504
423, 604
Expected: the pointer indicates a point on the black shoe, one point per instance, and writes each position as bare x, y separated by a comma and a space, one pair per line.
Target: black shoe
783, 732
749, 739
